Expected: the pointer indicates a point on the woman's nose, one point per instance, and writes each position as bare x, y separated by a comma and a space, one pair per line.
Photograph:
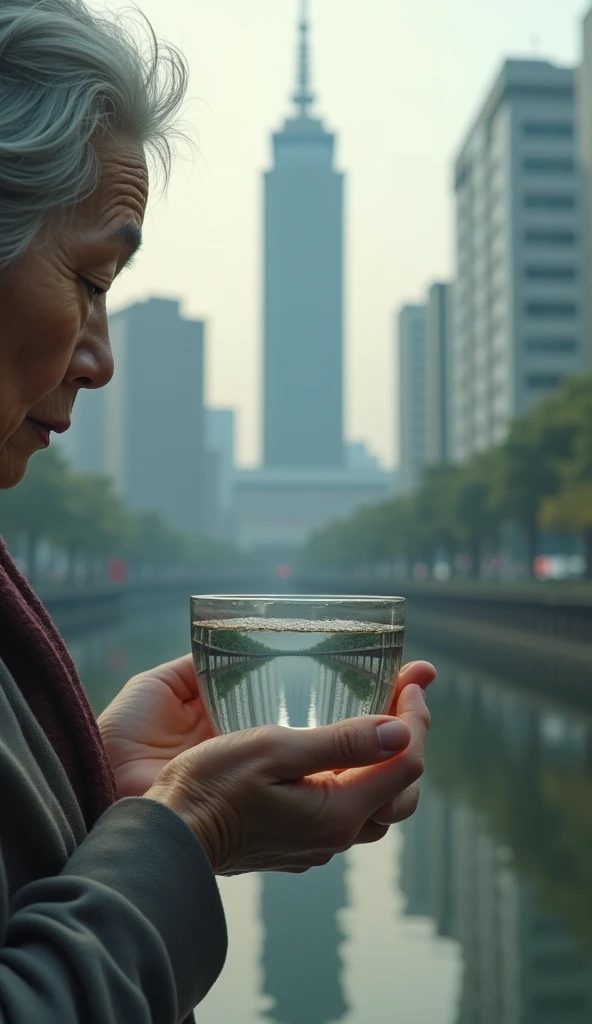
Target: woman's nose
91, 365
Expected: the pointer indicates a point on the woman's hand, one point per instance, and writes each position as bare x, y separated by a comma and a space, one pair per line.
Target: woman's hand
157, 716
277, 799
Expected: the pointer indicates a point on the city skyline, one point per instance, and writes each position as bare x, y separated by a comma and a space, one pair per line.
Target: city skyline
203, 241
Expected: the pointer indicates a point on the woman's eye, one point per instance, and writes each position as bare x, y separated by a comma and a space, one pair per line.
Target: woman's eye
93, 289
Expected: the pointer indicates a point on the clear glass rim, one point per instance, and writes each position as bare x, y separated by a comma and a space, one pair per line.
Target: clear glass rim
302, 598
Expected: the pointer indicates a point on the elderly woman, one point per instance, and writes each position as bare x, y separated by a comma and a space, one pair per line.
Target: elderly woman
112, 833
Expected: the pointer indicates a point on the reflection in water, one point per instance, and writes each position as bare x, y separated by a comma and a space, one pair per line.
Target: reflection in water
299, 677
291, 691
499, 852
498, 857
301, 959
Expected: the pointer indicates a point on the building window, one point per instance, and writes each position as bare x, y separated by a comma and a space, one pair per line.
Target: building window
546, 237
548, 165
551, 309
558, 274
548, 129
549, 201
551, 346
543, 381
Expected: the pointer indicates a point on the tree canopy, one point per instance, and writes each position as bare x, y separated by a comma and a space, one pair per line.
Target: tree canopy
81, 516
540, 477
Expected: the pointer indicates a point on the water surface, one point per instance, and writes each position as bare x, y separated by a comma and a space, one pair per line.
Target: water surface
477, 911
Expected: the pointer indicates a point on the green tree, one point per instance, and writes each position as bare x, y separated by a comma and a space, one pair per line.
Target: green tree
95, 521
571, 508
36, 509
476, 518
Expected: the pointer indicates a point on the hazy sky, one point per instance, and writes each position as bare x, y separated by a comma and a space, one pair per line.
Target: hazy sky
400, 82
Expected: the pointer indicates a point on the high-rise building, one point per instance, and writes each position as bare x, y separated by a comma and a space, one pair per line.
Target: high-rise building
412, 384
146, 428
155, 422
584, 136
437, 373
518, 321
84, 445
303, 289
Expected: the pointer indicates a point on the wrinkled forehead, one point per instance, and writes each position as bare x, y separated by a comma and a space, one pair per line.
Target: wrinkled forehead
123, 181
115, 210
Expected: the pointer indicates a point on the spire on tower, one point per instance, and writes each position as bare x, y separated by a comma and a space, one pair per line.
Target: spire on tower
303, 97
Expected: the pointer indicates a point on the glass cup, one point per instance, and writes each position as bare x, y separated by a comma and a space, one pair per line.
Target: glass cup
295, 661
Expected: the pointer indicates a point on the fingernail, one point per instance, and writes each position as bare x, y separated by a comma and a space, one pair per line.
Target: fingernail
392, 736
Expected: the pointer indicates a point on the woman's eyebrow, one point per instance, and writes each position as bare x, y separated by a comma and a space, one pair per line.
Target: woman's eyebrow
130, 235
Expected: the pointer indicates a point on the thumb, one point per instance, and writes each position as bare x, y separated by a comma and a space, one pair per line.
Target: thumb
354, 743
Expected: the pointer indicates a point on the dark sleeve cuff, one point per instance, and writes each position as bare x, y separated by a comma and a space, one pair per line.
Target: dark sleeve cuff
150, 856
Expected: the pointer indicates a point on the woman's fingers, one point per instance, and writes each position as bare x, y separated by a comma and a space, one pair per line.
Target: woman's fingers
371, 832
379, 784
399, 809
418, 673
296, 753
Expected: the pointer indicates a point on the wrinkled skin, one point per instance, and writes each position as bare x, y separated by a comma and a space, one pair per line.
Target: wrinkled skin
276, 799
154, 734
159, 714
54, 338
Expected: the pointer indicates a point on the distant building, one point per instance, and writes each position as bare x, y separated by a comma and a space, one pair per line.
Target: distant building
155, 424
584, 136
519, 317
220, 440
438, 342
411, 325
278, 509
359, 458
303, 290
146, 429
86, 443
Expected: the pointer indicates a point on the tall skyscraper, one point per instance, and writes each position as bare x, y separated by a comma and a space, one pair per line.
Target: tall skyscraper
303, 289
438, 374
519, 319
412, 386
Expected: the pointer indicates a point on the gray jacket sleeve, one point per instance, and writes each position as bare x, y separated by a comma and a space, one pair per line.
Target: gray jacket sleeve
130, 932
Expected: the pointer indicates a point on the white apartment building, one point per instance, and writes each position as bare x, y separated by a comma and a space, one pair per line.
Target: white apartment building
518, 308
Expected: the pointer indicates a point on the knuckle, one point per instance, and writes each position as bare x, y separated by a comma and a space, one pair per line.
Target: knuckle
410, 804
348, 741
339, 837
415, 765
269, 740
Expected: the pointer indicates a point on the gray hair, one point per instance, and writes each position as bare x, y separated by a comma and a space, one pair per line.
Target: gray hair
67, 75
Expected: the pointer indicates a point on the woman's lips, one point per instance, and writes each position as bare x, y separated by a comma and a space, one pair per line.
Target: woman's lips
43, 432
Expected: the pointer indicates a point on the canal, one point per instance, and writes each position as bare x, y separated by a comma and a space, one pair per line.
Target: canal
477, 911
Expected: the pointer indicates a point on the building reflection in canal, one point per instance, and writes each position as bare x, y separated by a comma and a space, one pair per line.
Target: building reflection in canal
497, 862
301, 951
499, 852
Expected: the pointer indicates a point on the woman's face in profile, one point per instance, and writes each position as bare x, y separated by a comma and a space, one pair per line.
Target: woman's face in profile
54, 338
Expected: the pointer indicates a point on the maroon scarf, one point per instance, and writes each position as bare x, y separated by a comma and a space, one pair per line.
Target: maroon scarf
36, 657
